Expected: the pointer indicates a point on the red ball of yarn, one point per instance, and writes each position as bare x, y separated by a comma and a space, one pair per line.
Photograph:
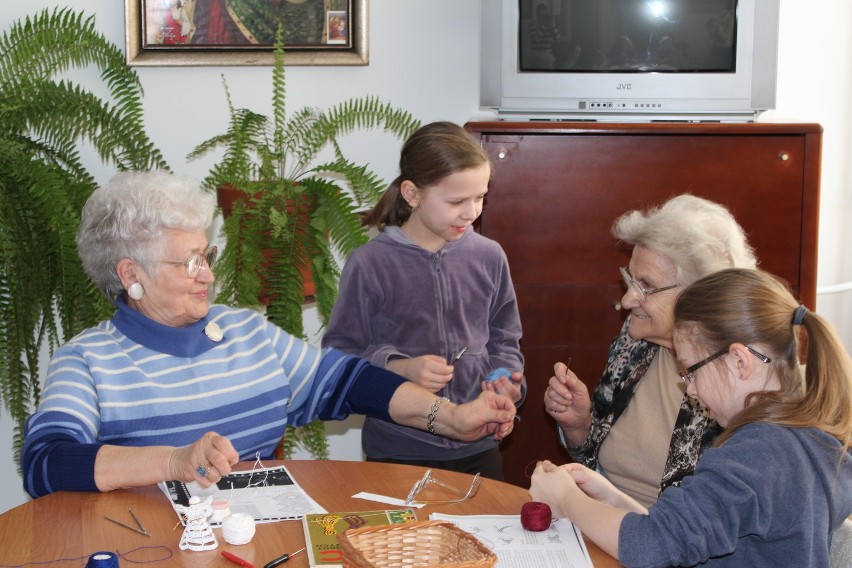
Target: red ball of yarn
535, 516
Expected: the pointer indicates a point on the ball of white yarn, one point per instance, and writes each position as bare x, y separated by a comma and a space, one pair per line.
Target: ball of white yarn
238, 528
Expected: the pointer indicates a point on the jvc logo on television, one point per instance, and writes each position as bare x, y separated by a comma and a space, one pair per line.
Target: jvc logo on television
624, 86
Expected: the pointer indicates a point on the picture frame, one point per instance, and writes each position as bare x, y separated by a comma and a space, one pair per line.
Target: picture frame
241, 32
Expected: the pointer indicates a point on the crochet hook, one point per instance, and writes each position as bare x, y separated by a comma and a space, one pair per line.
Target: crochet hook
282, 559
140, 529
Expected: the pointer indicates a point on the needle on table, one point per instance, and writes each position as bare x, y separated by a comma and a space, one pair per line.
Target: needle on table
141, 528
140, 531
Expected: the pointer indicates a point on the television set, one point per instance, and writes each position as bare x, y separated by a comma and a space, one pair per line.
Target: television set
628, 60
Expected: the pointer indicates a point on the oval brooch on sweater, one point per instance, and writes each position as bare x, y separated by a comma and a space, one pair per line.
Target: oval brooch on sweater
214, 332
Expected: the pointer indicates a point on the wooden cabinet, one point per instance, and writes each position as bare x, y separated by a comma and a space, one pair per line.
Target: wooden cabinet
557, 188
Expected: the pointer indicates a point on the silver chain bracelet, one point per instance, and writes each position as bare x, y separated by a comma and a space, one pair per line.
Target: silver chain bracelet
430, 423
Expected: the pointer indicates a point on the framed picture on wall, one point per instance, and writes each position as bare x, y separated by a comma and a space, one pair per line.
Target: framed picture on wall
242, 32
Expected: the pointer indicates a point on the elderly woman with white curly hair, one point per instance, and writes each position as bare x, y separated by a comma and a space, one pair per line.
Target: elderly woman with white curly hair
640, 429
174, 388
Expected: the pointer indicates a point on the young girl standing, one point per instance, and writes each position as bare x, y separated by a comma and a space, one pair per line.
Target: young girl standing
431, 299
778, 481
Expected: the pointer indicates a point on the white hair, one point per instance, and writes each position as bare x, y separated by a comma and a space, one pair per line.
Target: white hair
126, 217
699, 236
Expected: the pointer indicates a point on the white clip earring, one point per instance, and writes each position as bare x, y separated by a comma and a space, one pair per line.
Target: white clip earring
135, 291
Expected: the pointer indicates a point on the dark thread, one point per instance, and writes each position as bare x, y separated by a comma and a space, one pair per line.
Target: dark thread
124, 556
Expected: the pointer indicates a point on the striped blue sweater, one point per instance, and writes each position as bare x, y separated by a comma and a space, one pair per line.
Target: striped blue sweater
131, 381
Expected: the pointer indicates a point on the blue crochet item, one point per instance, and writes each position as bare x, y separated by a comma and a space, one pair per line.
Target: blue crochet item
497, 373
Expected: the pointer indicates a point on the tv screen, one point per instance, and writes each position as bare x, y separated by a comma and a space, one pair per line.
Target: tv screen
630, 36
629, 59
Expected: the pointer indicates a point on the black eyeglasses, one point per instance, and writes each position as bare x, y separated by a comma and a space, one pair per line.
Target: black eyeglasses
638, 288
195, 263
687, 375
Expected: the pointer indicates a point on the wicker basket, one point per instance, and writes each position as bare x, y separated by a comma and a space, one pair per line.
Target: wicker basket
421, 543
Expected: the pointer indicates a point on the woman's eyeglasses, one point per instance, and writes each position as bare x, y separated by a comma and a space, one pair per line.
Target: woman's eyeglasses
688, 374
640, 290
455, 495
195, 263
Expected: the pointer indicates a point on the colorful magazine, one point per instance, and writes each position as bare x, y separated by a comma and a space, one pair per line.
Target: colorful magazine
321, 531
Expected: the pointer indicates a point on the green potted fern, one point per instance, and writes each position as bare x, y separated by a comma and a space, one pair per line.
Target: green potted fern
293, 213
45, 296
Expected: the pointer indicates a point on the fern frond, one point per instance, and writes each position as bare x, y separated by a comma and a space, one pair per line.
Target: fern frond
337, 213
35, 51
58, 115
45, 296
365, 185
310, 437
238, 275
367, 113
298, 144
279, 94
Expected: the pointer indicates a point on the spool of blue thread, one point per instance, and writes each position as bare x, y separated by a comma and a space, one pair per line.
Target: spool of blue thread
102, 560
497, 373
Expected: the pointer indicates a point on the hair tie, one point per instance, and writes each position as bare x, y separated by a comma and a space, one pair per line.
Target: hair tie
799, 314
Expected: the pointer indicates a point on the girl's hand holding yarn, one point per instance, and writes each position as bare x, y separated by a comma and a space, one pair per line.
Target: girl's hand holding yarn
497, 373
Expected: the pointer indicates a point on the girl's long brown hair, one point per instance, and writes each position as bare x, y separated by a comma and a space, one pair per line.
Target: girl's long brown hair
754, 308
430, 154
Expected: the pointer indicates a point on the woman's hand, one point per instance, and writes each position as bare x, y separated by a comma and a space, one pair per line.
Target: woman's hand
206, 461
429, 371
118, 467
490, 414
567, 401
601, 489
597, 519
510, 386
553, 485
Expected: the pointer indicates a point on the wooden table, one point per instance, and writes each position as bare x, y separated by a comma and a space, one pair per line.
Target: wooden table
71, 526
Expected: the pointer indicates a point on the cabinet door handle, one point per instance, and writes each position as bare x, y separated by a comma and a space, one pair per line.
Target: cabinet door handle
783, 156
